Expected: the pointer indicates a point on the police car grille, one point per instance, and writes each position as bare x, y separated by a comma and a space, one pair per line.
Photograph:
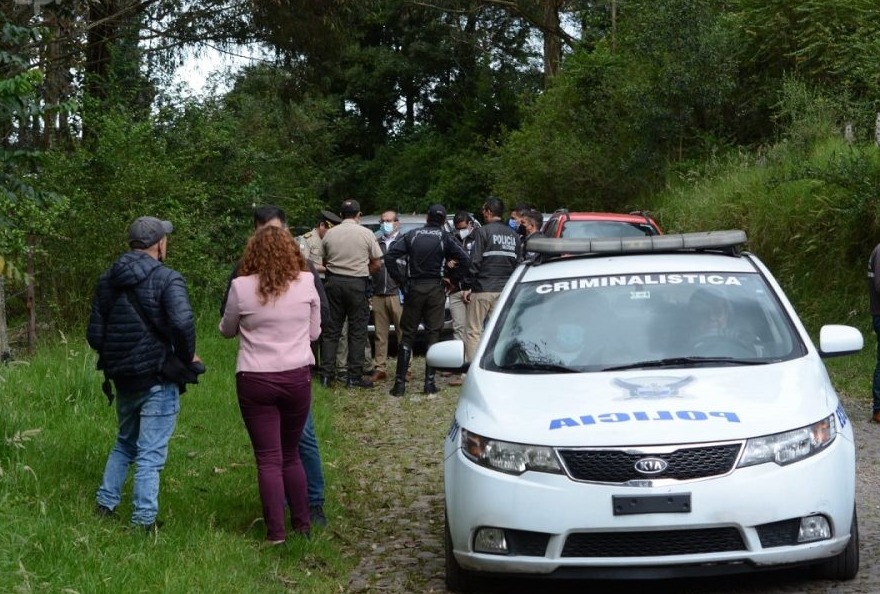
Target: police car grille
616, 466
653, 544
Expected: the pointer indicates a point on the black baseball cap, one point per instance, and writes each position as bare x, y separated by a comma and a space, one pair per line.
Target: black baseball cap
437, 213
350, 207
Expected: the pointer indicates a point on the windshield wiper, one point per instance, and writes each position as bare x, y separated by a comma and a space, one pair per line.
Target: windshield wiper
684, 361
538, 367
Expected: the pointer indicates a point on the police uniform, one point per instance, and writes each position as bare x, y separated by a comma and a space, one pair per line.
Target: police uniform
496, 254
314, 248
426, 251
350, 252
311, 243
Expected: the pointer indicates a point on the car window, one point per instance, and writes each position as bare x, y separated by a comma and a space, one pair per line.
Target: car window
588, 229
604, 322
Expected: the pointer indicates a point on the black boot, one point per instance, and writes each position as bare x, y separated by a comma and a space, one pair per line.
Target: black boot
403, 355
359, 382
430, 386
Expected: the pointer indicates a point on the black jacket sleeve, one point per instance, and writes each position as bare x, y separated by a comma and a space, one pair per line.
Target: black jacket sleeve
453, 250
399, 249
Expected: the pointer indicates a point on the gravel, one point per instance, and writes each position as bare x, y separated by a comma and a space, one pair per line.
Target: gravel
398, 505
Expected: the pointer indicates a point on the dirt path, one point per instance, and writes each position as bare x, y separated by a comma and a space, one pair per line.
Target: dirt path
399, 537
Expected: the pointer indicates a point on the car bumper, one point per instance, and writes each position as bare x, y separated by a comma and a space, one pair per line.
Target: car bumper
546, 517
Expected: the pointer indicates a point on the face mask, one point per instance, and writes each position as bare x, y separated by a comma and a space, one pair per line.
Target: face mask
521, 230
387, 228
512, 223
464, 232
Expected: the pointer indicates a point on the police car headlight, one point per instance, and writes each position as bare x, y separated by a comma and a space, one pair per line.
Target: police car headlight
790, 446
504, 456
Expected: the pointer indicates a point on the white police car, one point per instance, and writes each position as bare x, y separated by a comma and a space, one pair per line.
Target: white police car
643, 408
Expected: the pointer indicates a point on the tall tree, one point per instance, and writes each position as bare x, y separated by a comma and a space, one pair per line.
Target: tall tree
25, 211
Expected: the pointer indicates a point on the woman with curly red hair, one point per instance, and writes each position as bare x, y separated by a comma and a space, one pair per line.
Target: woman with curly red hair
274, 309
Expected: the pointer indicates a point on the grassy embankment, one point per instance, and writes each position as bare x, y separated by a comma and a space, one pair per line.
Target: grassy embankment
809, 217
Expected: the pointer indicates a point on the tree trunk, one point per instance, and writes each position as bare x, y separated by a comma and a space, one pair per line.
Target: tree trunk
101, 32
552, 40
31, 301
4, 334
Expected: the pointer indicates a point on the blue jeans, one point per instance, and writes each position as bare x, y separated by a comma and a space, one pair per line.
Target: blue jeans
146, 422
311, 461
876, 386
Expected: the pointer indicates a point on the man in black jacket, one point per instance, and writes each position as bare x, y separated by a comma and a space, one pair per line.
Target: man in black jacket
530, 223
386, 302
497, 252
132, 347
428, 251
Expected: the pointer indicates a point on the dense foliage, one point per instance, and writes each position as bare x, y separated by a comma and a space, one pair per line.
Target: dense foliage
589, 105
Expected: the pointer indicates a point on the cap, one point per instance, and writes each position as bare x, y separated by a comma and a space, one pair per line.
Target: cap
437, 213
330, 217
350, 207
147, 231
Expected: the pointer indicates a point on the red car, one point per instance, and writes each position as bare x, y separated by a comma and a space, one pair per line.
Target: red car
563, 223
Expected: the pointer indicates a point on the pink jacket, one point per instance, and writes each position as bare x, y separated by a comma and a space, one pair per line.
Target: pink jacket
276, 336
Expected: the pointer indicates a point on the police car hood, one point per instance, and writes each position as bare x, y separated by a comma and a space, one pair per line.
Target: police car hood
647, 407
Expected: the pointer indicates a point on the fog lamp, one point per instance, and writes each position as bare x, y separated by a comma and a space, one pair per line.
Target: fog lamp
814, 528
490, 540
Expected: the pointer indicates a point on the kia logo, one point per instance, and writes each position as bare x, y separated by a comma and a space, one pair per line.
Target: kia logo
651, 465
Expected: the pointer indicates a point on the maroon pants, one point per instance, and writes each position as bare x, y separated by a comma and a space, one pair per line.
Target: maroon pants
274, 406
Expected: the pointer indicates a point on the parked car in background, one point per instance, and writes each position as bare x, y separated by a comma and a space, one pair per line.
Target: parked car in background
408, 222
563, 223
647, 412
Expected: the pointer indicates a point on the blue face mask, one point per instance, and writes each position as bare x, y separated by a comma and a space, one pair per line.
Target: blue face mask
512, 223
387, 228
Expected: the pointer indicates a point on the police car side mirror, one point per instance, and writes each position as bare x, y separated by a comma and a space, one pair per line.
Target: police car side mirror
836, 340
448, 356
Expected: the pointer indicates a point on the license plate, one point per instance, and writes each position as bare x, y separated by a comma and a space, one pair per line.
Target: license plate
624, 505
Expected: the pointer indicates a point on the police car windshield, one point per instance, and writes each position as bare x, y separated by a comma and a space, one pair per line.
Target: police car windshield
591, 324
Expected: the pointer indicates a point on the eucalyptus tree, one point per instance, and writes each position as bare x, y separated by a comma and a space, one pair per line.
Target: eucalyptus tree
26, 211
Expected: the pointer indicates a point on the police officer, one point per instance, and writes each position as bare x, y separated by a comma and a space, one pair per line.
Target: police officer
312, 247
428, 251
497, 252
311, 242
530, 223
351, 255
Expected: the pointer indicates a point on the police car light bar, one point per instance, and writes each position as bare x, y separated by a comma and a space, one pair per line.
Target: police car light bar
706, 240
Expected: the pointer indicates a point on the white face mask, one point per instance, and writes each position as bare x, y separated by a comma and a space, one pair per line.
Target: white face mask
387, 228
464, 232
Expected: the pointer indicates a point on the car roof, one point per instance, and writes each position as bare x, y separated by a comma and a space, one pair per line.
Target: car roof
602, 216
408, 222
402, 217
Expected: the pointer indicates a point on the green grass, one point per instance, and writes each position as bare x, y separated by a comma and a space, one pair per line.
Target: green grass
57, 429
